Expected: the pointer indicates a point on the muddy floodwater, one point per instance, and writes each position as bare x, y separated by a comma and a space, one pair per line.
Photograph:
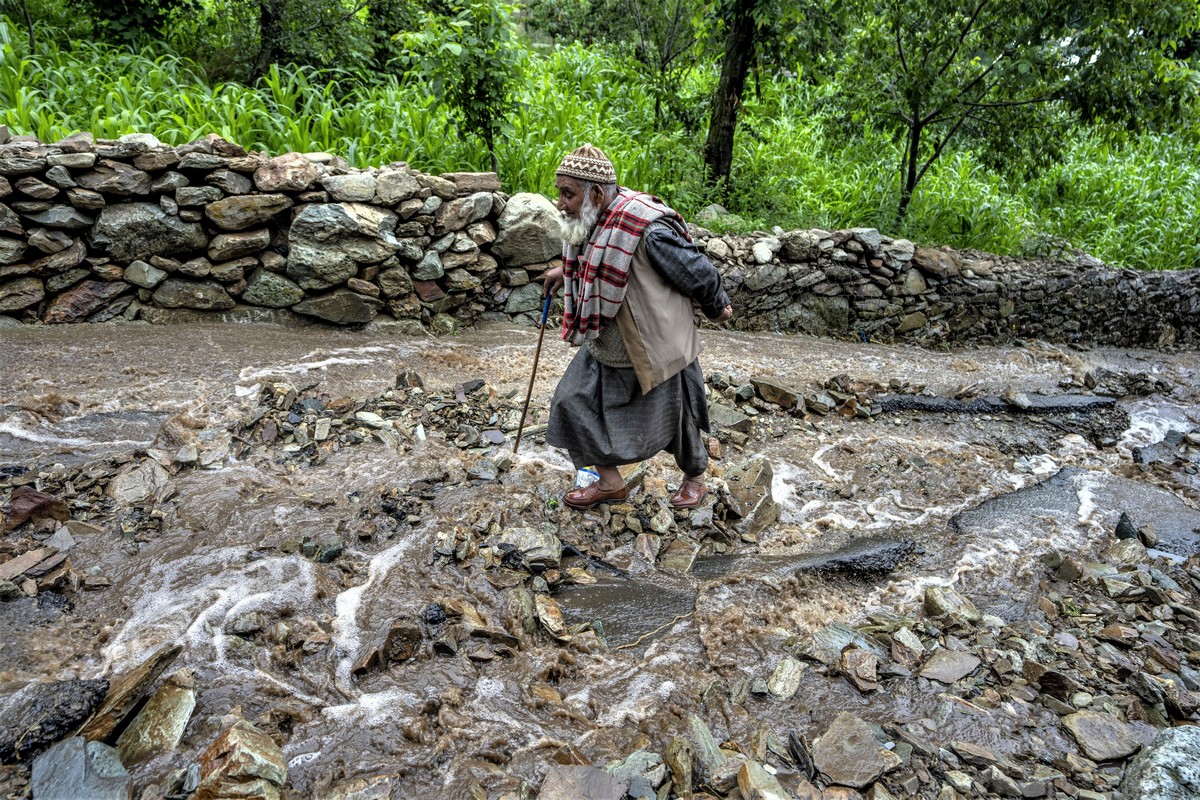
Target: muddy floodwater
278, 634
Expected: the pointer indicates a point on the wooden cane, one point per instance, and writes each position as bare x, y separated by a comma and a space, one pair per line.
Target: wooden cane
536, 355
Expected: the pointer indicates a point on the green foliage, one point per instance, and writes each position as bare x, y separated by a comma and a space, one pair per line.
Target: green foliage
933, 71
1129, 197
131, 20
470, 58
1133, 201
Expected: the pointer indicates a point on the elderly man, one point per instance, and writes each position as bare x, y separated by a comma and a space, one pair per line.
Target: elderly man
631, 279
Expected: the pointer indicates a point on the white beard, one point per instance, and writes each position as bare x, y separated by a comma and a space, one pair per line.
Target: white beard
577, 230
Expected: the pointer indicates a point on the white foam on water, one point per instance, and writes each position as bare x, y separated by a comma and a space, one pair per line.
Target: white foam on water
375, 708
1151, 418
319, 360
489, 687
12, 427
249, 374
302, 759
1086, 492
644, 689
818, 459
1040, 464
783, 489
195, 594
347, 635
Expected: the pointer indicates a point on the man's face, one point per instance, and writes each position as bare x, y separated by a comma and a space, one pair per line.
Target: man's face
570, 196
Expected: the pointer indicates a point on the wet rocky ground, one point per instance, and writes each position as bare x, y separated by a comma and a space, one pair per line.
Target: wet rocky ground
268, 564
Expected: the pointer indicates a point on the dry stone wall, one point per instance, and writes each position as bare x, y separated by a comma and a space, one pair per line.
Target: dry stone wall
132, 229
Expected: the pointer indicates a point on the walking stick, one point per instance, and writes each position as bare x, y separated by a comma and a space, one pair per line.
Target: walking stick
536, 354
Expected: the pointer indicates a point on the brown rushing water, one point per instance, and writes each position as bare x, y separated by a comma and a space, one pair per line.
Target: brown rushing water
73, 393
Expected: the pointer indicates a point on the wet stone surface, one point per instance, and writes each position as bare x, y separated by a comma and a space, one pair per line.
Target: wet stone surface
368, 594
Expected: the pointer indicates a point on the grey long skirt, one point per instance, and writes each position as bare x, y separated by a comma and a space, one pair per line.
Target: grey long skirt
601, 418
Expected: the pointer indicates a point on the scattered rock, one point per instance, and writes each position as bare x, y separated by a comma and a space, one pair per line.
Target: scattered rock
33, 718
1101, 737
76, 768
847, 753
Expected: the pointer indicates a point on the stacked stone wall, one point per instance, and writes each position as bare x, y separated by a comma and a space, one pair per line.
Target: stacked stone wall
132, 229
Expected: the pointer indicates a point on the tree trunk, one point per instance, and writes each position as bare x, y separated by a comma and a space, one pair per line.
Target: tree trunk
912, 153
739, 52
269, 31
28, 24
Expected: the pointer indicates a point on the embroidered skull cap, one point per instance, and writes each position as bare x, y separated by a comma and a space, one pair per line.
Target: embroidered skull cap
588, 163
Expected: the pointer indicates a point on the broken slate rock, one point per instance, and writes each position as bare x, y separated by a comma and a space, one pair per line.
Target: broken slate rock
942, 600
36, 716
1101, 737
848, 755
76, 768
563, 782
539, 549
755, 782
242, 762
160, 724
948, 666
126, 692
28, 503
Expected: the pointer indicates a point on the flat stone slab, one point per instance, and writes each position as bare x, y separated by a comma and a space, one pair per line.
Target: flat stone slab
868, 557
1101, 737
1176, 523
948, 666
580, 783
76, 768
1030, 404
847, 754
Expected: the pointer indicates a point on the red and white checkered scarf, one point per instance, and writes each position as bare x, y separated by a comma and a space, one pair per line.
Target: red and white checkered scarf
595, 276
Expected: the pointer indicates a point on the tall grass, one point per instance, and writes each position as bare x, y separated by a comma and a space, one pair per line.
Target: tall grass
1131, 201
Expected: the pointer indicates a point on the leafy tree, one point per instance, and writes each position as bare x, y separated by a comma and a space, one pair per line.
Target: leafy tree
661, 36
384, 20
307, 32
471, 58
585, 21
28, 24
1000, 73
770, 33
666, 44
129, 20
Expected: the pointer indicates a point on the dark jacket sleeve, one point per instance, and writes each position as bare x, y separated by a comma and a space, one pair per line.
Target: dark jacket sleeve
686, 268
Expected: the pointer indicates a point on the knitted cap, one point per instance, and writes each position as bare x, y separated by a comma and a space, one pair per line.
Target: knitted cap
589, 164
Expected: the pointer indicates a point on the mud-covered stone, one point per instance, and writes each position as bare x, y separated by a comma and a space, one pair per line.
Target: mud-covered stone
36, 716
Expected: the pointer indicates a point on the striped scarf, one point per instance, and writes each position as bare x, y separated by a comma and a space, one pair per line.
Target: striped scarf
595, 276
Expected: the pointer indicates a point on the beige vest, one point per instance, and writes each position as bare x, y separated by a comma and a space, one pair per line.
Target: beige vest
657, 324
